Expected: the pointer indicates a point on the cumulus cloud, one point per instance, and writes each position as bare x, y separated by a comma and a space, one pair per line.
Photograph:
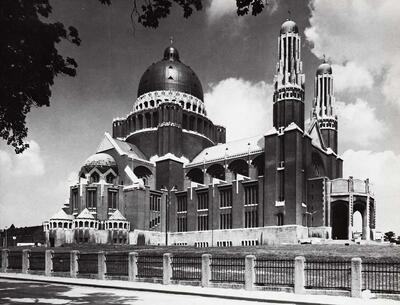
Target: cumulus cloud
364, 33
29, 163
351, 76
243, 107
352, 129
383, 169
222, 8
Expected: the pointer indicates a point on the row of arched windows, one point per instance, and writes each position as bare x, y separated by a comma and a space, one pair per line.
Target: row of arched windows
88, 224
195, 105
110, 224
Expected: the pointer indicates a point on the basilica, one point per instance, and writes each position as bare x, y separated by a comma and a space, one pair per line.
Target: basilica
167, 176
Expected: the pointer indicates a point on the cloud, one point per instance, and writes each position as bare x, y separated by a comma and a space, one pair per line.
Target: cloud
383, 169
353, 130
227, 8
29, 163
243, 107
351, 76
364, 33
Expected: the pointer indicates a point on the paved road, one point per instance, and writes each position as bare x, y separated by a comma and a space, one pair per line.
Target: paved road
26, 292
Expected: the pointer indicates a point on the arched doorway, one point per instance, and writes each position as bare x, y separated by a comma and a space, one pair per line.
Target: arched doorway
359, 208
340, 220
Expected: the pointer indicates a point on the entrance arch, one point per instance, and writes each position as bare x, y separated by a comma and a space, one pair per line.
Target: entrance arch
340, 220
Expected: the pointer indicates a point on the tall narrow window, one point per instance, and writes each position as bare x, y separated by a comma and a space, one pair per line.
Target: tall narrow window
75, 201
112, 200
279, 219
91, 199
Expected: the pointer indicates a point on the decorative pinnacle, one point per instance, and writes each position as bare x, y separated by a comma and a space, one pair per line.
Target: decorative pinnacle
324, 58
171, 40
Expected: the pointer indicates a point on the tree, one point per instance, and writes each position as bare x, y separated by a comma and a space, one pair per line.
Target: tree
30, 61
389, 236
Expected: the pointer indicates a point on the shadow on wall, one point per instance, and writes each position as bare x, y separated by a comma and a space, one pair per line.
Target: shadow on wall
141, 239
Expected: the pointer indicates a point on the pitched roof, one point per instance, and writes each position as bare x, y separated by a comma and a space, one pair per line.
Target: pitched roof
61, 215
123, 148
231, 149
117, 215
85, 214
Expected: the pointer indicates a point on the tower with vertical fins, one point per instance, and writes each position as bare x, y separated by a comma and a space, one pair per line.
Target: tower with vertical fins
289, 79
323, 106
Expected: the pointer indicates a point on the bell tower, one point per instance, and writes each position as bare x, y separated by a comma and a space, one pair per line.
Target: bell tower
289, 80
323, 106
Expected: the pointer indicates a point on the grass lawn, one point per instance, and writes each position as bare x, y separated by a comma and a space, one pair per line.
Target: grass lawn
332, 251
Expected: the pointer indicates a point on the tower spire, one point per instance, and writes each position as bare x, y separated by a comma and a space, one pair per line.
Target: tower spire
289, 78
323, 105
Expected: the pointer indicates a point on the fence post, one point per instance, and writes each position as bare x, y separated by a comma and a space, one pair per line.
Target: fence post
73, 263
132, 266
356, 277
101, 265
205, 270
48, 262
4, 260
299, 276
167, 268
25, 260
250, 274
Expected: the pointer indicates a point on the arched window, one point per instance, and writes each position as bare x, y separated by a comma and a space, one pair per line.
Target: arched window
86, 224
196, 175
120, 225
60, 224
65, 225
95, 177
110, 178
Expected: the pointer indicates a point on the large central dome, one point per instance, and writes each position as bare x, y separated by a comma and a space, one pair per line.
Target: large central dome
170, 74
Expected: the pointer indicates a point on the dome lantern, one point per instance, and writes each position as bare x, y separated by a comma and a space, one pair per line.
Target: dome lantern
289, 26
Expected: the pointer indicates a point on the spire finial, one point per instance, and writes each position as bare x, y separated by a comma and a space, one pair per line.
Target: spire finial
289, 14
171, 40
324, 58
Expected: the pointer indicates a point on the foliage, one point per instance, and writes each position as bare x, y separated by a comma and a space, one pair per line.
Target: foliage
30, 60
29, 63
150, 12
389, 236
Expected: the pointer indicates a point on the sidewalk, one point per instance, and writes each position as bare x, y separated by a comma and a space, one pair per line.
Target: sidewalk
237, 294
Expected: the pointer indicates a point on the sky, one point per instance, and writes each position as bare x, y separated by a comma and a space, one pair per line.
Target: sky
235, 59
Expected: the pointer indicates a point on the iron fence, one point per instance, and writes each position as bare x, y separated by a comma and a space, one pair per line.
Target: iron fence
186, 268
150, 266
15, 260
117, 263
328, 274
383, 277
274, 272
61, 261
37, 261
227, 269
88, 263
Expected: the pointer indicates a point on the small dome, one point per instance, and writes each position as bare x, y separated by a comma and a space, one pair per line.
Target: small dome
170, 74
101, 161
289, 26
324, 68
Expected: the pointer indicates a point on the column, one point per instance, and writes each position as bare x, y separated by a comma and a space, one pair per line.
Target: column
132, 266
356, 278
350, 234
299, 276
167, 268
250, 275
74, 269
366, 228
101, 265
205, 270
4, 260
48, 257
25, 260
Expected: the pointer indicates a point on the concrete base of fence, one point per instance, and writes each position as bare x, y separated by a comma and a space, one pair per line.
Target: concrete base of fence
249, 272
205, 270
25, 260
299, 276
74, 263
4, 260
167, 268
356, 278
132, 266
48, 262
